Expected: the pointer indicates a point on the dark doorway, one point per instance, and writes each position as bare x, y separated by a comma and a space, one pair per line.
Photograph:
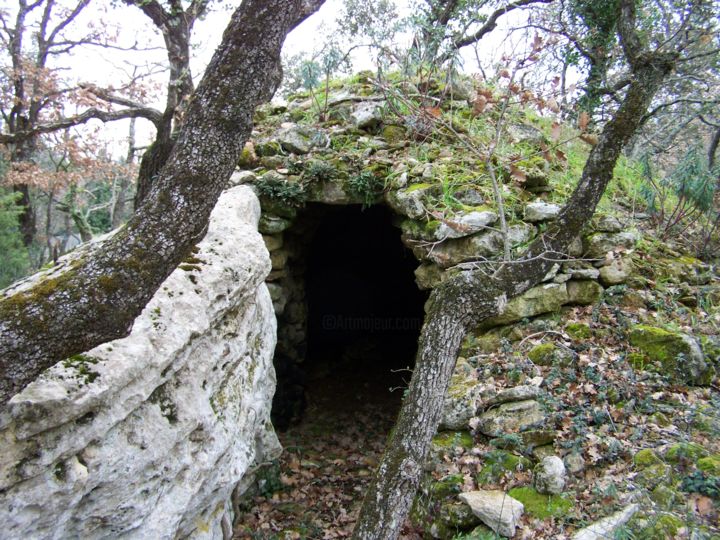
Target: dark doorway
364, 312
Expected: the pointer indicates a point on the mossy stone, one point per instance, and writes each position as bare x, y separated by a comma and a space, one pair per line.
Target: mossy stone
248, 158
539, 505
690, 451
543, 354
578, 330
499, 462
584, 292
393, 134
710, 464
665, 496
660, 419
267, 148
447, 486
655, 527
646, 458
652, 476
450, 439
677, 355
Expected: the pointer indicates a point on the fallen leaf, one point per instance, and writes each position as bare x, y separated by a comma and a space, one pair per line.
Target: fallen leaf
583, 121
556, 131
517, 174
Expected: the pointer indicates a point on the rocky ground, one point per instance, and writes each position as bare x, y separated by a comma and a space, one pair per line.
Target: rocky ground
315, 489
632, 441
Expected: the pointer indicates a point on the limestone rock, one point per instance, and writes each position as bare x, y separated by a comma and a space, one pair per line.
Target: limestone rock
541, 211
149, 435
578, 271
617, 272
583, 292
510, 417
606, 527
301, 139
496, 509
678, 355
598, 244
409, 202
469, 196
549, 476
462, 398
428, 276
481, 245
367, 114
541, 299
526, 133
465, 225
270, 224
574, 463
241, 177
516, 393
608, 224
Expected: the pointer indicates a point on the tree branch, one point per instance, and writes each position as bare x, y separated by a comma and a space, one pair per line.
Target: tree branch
93, 113
491, 22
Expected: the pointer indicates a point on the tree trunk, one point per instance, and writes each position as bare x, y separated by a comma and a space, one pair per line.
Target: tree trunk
118, 207
471, 297
99, 296
26, 217
176, 27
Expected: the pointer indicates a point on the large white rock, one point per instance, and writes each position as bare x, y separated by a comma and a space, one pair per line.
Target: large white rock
148, 436
549, 476
496, 509
465, 225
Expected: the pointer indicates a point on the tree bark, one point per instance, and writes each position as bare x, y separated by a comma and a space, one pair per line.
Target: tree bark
99, 296
176, 25
470, 297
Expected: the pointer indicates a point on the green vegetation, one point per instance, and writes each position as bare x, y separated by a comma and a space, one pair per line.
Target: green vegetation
16, 261
539, 505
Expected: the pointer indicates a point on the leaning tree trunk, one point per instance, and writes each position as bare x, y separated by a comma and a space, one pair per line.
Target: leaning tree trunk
98, 299
471, 297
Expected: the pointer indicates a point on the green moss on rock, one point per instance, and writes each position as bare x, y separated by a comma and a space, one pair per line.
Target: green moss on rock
655, 527
676, 354
499, 462
450, 439
666, 497
646, 458
393, 134
542, 355
710, 464
578, 330
539, 505
689, 451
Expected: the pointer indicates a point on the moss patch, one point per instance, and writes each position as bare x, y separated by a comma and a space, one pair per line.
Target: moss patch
710, 464
689, 451
449, 439
543, 354
499, 462
646, 458
578, 330
539, 505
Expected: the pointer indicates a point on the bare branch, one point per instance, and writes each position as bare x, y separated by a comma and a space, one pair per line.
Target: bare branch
90, 114
492, 21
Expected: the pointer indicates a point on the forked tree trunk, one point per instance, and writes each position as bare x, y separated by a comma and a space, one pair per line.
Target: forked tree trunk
98, 299
467, 299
